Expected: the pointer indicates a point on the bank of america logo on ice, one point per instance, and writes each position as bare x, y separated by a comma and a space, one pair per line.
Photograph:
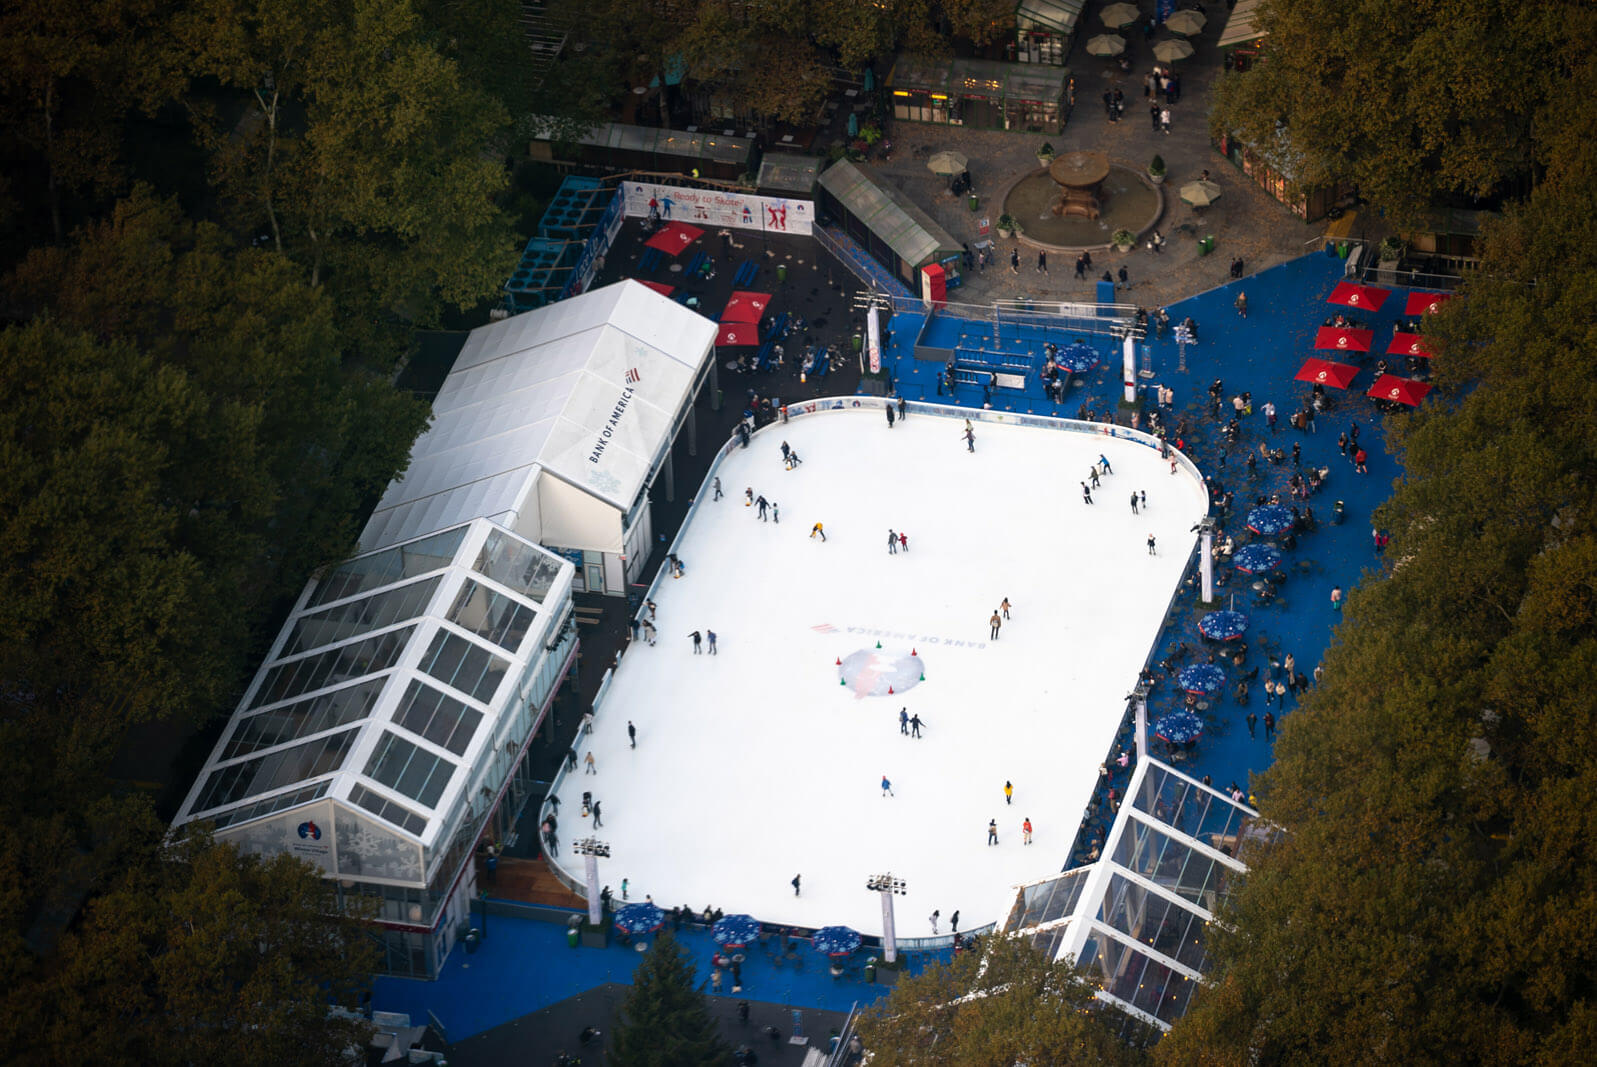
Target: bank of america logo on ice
633, 377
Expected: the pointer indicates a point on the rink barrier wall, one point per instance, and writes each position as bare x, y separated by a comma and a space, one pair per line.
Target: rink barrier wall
819, 405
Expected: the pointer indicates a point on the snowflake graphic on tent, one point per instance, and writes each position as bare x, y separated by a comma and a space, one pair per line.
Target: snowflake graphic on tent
604, 481
363, 842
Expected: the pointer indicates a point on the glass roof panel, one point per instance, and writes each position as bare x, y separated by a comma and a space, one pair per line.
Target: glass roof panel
388, 810
516, 565
353, 618
464, 667
443, 720
281, 802
290, 722
274, 770
323, 669
1161, 924
376, 569
1047, 901
1169, 862
491, 615
409, 769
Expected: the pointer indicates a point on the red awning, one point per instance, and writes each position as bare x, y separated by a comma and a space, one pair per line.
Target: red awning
1399, 390
660, 287
1425, 303
1363, 297
1408, 344
1324, 372
1343, 340
732, 334
673, 237
743, 306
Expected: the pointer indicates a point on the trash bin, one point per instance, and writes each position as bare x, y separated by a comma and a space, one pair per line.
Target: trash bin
781, 273
473, 938
973, 201
1206, 245
1330, 249
870, 972
573, 936
1343, 248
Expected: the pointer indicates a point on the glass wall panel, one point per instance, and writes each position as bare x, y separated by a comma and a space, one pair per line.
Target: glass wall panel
323, 669
281, 802
517, 565
388, 810
1164, 860
1153, 920
389, 566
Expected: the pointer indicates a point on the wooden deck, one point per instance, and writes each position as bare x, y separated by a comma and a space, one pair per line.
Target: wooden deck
529, 881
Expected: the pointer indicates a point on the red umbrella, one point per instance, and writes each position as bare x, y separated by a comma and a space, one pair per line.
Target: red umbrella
660, 287
1343, 340
1425, 303
744, 306
1324, 372
1363, 297
733, 334
673, 237
1409, 344
1399, 390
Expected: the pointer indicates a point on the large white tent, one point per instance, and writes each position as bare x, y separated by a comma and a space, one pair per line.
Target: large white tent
555, 424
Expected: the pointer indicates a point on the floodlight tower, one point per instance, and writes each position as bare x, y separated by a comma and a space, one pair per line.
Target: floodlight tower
1140, 694
1206, 527
591, 849
888, 887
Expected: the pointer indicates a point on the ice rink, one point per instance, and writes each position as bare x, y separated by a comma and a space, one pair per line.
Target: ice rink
756, 764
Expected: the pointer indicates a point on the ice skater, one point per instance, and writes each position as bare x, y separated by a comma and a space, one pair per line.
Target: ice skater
1143, 493
817, 531
1009, 792
632, 733
598, 819
1152, 551
590, 767
903, 541
903, 721
970, 438
649, 632
650, 605
953, 923
776, 513
1092, 475
1025, 830
717, 488
914, 725
995, 622
1103, 461
748, 497
787, 453
1086, 493
992, 832
795, 883
1134, 503
1004, 607
887, 787
762, 504
888, 407
935, 915
892, 543
698, 641
710, 635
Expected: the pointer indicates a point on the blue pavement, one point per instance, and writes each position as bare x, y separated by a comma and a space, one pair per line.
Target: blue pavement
525, 965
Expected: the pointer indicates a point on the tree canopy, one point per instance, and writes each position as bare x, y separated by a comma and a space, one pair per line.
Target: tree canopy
664, 1021
1003, 1004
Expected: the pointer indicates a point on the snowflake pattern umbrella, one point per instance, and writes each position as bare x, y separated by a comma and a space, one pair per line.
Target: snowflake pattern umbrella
1201, 678
735, 931
1223, 625
1269, 520
1078, 358
1255, 558
1179, 727
640, 918
836, 940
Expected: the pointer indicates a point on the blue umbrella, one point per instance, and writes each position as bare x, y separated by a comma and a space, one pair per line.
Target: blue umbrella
1078, 358
1179, 727
835, 940
1201, 678
735, 931
1257, 557
640, 918
1270, 520
1223, 625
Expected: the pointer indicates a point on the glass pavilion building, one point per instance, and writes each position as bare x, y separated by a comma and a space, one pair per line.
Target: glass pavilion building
384, 733
1135, 919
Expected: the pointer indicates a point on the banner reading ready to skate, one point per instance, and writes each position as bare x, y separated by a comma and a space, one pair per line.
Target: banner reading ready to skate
715, 207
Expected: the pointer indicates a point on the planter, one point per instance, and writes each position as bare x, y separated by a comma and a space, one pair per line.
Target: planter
1386, 271
1157, 179
1045, 161
1005, 234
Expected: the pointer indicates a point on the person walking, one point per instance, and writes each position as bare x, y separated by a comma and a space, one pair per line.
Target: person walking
817, 531
632, 733
1269, 415
1025, 830
903, 408
1360, 460
1336, 598
887, 787
903, 721
717, 488
1004, 607
795, 883
698, 639
1269, 726
995, 622
1009, 792
598, 819
1242, 305
992, 831
914, 725
1014, 261
1143, 493
1253, 721
710, 636
1134, 503
1042, 262
953, 920
1164, 120
892, 543
590, 767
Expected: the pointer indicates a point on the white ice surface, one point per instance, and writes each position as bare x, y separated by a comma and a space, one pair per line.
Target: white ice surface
755, 764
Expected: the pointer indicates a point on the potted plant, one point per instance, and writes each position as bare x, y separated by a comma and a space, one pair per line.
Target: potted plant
1123, 240
1007, 225
1388, 255
1156, 170
1045, 154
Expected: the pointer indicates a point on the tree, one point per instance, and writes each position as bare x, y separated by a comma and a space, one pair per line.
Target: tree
1409, 103
664, 1022
1007, 1003
201, 954
1435, 897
